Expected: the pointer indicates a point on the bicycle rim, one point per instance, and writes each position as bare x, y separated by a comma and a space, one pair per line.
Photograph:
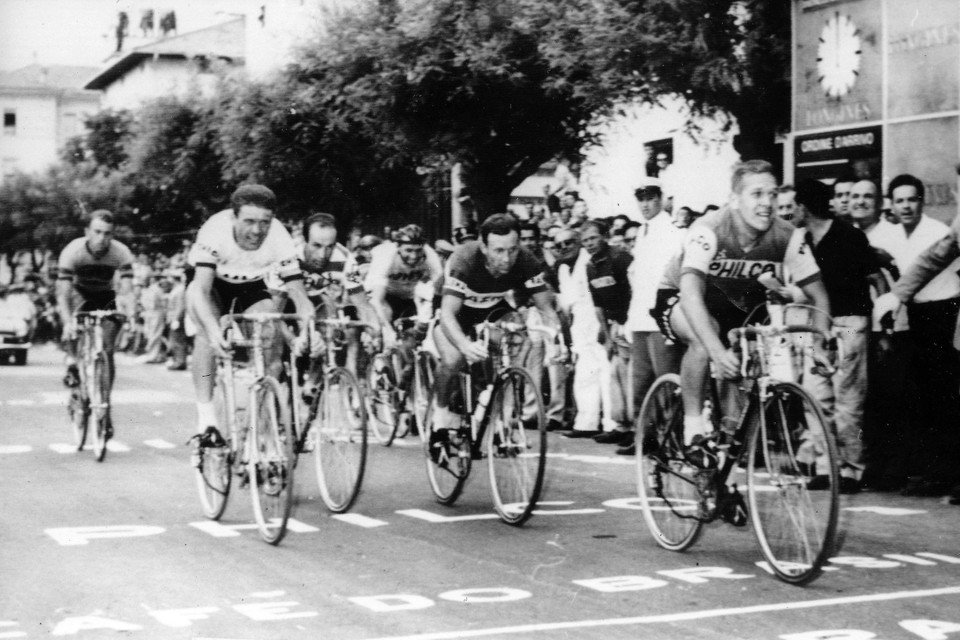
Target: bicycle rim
665, 480
423, 391
448, 460
516, 456
212, 467
340, 440
382, 411
270, 463
795, 525
99, 410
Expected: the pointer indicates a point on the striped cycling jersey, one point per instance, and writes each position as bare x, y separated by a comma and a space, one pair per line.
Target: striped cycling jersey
712, 249
467, 277
90, 273
340, 267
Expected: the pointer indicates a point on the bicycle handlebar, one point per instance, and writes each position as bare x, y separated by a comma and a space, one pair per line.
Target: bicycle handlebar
259, 316
741, 335
99, 314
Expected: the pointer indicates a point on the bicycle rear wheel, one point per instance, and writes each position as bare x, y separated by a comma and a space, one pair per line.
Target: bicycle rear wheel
516, 446
795, 522
382, 399
270, 462
665, 480
99, 392
212, 464
340, 439
448, 458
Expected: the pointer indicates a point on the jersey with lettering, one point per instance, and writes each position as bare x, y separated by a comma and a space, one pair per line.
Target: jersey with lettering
340, 268
400, 279
216, 248
467, 278
93, 274
712, 249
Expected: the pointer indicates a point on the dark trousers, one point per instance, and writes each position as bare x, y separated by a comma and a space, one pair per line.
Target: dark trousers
936, 370
888, 425
650, 357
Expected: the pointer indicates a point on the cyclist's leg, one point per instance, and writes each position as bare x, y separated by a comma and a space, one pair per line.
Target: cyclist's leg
451, 362
693, 374
272, 337
203, 365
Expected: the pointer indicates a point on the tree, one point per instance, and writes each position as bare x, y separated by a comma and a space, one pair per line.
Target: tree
723, 57
470, 81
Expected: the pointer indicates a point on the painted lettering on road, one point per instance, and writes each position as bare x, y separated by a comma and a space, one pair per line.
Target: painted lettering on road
219, 530
76, 536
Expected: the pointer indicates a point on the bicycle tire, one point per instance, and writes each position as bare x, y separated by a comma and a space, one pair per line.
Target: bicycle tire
516, 447
448, 460
423, 382
795, 525
668, 491
340, 439
79, 410
381, 399
212, 469
270, 460
99, 383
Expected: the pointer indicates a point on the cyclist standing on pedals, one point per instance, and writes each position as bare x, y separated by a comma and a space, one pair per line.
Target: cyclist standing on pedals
86, 271
711, 286
480, 276
236, 249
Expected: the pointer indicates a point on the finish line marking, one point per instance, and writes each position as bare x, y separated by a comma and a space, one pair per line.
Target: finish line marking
678, 617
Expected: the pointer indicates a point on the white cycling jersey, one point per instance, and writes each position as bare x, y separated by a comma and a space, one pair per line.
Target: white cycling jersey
216, 248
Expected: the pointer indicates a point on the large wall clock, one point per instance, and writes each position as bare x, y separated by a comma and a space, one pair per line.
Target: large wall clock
838, 56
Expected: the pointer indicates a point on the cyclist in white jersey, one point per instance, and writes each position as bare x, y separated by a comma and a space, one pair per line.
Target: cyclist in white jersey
235, 251
712, 285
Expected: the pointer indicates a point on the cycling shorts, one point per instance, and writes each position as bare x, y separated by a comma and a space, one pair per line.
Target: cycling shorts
238, 297
728, 315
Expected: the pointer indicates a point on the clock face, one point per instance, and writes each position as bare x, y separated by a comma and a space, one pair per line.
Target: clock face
838, 56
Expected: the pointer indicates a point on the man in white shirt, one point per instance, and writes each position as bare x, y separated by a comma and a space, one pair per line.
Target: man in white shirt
657, 241
934, 440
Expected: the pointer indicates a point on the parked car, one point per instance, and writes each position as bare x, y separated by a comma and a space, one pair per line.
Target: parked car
18, 320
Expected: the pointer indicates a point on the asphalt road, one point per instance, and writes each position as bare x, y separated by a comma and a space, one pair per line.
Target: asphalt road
120, 548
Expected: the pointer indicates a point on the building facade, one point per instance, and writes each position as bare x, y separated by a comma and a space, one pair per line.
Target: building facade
43, 107
877, 90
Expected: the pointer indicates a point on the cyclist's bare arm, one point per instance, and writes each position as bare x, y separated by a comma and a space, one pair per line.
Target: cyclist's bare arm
204, 311
364, 309
378, 301
692, 289
818, 295
546, 304
64, 300
449, 308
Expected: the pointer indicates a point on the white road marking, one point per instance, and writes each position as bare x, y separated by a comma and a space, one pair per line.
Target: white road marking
117, 447
886, 511
63, 447
157, 443
360, 520
678, 617
21, 403
15, 448
421, 514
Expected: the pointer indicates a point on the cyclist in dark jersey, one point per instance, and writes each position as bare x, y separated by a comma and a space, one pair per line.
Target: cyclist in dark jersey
85, 282
479, 279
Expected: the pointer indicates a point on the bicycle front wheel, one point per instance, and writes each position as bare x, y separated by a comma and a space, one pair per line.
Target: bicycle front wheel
79, 410
270, 460
665, 480
794, 516
339, 430
424, 375
99, 394
382, 399
516, 441
448, 458
212, 464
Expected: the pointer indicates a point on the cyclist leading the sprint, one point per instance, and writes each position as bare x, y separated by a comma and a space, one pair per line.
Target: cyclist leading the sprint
711, 286
85, 282
235, 251
480, 275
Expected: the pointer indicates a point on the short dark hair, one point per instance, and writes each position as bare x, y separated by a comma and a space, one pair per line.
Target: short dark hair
253, 194
530, 226
102, 214
786, 188
499, 224
596, 224
632, 224
815, 196
848, 176
649, 191
906, 180
319, 219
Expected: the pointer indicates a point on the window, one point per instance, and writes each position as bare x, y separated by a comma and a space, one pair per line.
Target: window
9, 122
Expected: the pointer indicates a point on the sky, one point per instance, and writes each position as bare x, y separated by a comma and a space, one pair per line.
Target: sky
81, 32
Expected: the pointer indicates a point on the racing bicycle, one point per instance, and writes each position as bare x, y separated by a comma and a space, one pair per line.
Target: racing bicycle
254, 418
501, 420
780, 443
89, 405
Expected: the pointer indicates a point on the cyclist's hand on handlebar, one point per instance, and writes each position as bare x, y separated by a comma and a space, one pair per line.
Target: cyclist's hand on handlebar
727, 364
476, 352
